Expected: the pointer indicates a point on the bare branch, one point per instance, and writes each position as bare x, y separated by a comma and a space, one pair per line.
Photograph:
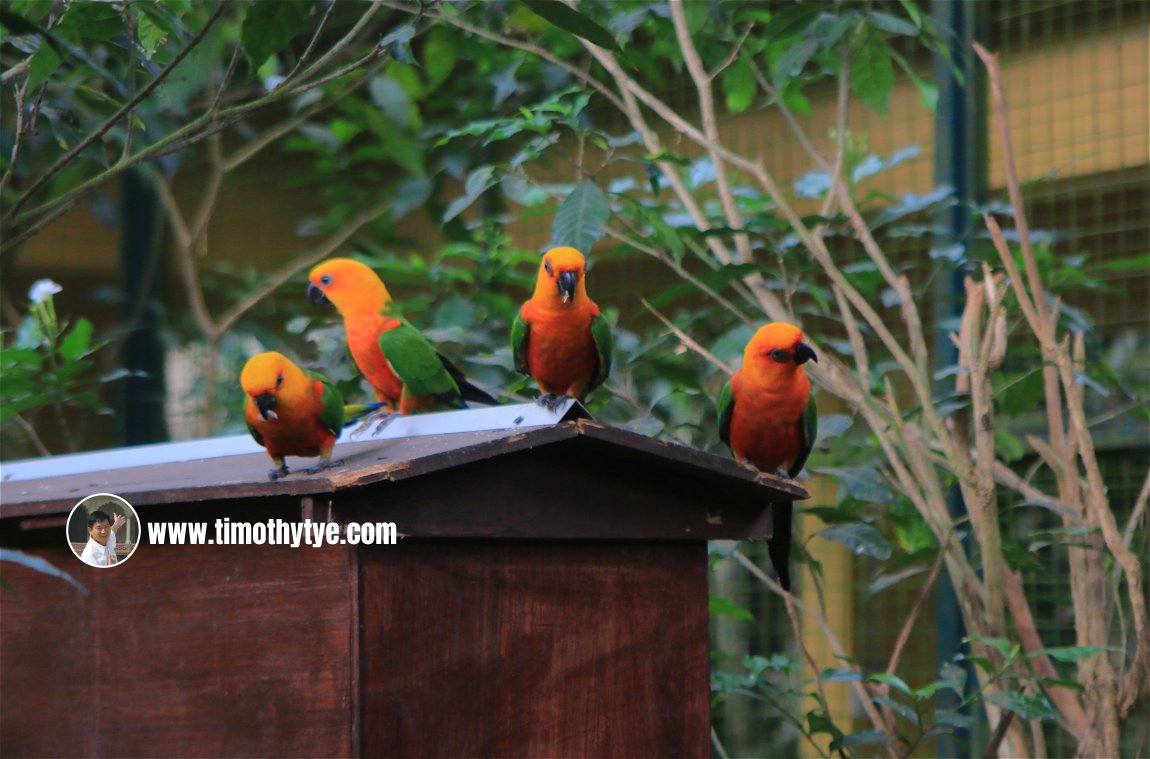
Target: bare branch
301, 262
685, 339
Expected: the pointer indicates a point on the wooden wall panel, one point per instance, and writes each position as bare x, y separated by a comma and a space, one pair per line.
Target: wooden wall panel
182, 651
510, 648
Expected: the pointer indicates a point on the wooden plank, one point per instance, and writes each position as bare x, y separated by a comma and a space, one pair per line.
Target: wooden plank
245, 476
182, 651
556, 649
569, 491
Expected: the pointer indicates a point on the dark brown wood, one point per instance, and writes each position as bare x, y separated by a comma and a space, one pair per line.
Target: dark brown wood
563, 491
183, 651
550, 600
533, 649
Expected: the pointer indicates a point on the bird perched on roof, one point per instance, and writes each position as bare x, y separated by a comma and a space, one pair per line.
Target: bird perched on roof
559, 336
768, 418
294, 412
406, 372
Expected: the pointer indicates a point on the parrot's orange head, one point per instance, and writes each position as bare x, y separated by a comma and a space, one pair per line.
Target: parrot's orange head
352, 286
562, 276
777, 348
268, 377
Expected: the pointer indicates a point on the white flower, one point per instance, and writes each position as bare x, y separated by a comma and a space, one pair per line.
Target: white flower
41, 289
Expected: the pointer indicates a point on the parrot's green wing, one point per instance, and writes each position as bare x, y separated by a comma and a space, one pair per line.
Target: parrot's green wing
418, 366
519, 332
810, 431
331, 416
255, 434
726, 409
604, 348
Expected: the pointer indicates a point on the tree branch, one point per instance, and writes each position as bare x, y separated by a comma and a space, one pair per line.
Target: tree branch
128, 107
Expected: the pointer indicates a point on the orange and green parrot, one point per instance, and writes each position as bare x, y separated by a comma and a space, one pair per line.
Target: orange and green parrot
767, 416
406, 372
559, 337
293, 412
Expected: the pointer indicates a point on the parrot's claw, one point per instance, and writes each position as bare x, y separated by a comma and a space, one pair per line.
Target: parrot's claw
322, 465
384, 422
275, 474
550, 401
379, 418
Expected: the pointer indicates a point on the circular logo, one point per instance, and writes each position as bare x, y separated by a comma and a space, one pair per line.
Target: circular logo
103, 530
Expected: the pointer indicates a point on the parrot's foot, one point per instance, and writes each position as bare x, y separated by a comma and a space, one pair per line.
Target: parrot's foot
551, 402
275, 474
322, 465
378, 418
384, 422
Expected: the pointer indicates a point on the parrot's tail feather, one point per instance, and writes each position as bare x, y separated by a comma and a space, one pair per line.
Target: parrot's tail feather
779, 546
467, 390
476, 394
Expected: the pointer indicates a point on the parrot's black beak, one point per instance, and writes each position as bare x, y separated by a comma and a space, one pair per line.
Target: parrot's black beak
567, 281
266, 402
315, 295
805, 353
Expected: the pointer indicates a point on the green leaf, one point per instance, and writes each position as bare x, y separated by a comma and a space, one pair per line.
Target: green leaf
1033, 706
269, 27
833, 675
912, 11
860, 538
1017, 397
893, 681
818, 722
739, 85
439, 56
884, 581
790, 21
872, 74
892, 24
927, 90
570, 20
899, 708
580, 218
91, 21
791, 63
862, 482
478, 182
40, 565
1072, 653
75, 343
719, 606
44, 63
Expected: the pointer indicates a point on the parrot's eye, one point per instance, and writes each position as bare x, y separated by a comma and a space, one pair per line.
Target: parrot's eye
547, 267
325, 280
279, 379
780, 355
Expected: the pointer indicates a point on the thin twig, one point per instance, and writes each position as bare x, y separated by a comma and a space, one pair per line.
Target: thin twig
30, 431
685, 339
1138, 512
836, 646
908, 626
301, 262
